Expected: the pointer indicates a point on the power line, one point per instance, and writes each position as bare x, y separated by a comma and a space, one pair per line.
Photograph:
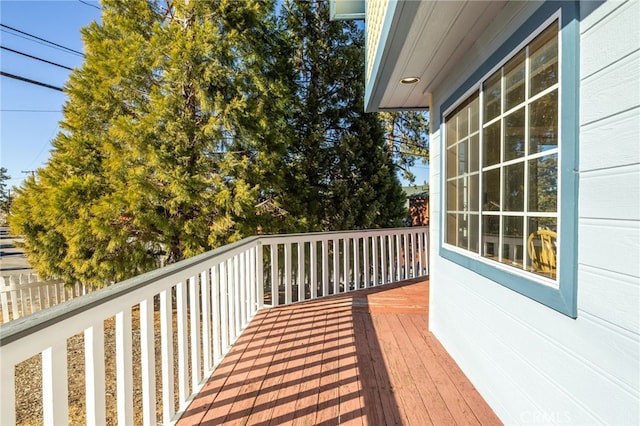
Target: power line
43, 39
89, 4
28, 80
36, 58
30, 110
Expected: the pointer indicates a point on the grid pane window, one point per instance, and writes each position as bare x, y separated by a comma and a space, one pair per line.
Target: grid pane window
462, 196
502, 162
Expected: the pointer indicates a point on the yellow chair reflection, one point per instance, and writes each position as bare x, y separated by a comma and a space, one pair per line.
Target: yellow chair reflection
542, 251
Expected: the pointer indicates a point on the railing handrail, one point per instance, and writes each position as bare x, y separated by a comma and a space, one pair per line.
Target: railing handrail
21, 327
18, 328
309, 235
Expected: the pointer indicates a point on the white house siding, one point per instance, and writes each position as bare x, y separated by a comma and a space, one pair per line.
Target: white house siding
532, 364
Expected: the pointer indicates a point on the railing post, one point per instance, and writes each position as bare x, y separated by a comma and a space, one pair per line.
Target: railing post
8, 400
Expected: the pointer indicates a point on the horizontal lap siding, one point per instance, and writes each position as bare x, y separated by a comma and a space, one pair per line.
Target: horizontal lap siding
609, 204
532, 364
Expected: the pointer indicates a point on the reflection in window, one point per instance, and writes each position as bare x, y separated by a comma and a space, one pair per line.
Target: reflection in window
542, 246
512, 240
543, 57
514, 187
514, 79
492, 96
543, 184
543, 123
491, 190
491, 144
514, 135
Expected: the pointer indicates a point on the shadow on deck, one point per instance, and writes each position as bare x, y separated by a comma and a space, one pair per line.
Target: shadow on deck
364, 357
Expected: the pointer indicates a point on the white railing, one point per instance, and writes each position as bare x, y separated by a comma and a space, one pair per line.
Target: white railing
210, 298
22, 295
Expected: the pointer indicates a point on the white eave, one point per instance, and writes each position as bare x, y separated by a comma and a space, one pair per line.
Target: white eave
423, 39
346, 10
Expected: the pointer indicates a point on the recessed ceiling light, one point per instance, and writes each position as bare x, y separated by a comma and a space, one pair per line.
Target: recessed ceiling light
410, 80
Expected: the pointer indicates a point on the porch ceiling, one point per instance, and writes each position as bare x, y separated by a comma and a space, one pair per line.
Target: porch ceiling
425, 39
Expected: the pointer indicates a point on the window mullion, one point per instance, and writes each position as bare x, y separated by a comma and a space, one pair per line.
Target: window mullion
480, 169
527, 131
502, 197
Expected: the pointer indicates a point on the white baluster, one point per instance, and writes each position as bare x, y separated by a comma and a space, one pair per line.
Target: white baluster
313, 265
124, 368
147, 355
194, 316
183, 374
55, 390
301, 261
336, 266
215, 314
94, 374
206, 321
166, 353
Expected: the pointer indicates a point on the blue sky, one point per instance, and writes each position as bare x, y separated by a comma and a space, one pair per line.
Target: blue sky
29, 114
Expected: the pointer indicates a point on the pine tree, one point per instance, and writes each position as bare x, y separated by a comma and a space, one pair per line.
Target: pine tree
340, 176
4, 192
169, 142
407, 135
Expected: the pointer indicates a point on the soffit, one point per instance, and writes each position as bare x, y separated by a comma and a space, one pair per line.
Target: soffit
425, 39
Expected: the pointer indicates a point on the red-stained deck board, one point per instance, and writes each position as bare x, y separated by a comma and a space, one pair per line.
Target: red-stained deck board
359, 358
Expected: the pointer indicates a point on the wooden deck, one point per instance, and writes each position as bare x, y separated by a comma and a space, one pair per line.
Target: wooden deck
364, 357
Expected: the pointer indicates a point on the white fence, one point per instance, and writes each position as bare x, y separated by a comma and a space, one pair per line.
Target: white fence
21, 295
210, 298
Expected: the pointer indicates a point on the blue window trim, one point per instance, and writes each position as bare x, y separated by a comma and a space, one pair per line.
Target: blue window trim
564, 298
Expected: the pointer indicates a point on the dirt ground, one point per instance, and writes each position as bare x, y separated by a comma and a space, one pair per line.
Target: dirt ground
29, 378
